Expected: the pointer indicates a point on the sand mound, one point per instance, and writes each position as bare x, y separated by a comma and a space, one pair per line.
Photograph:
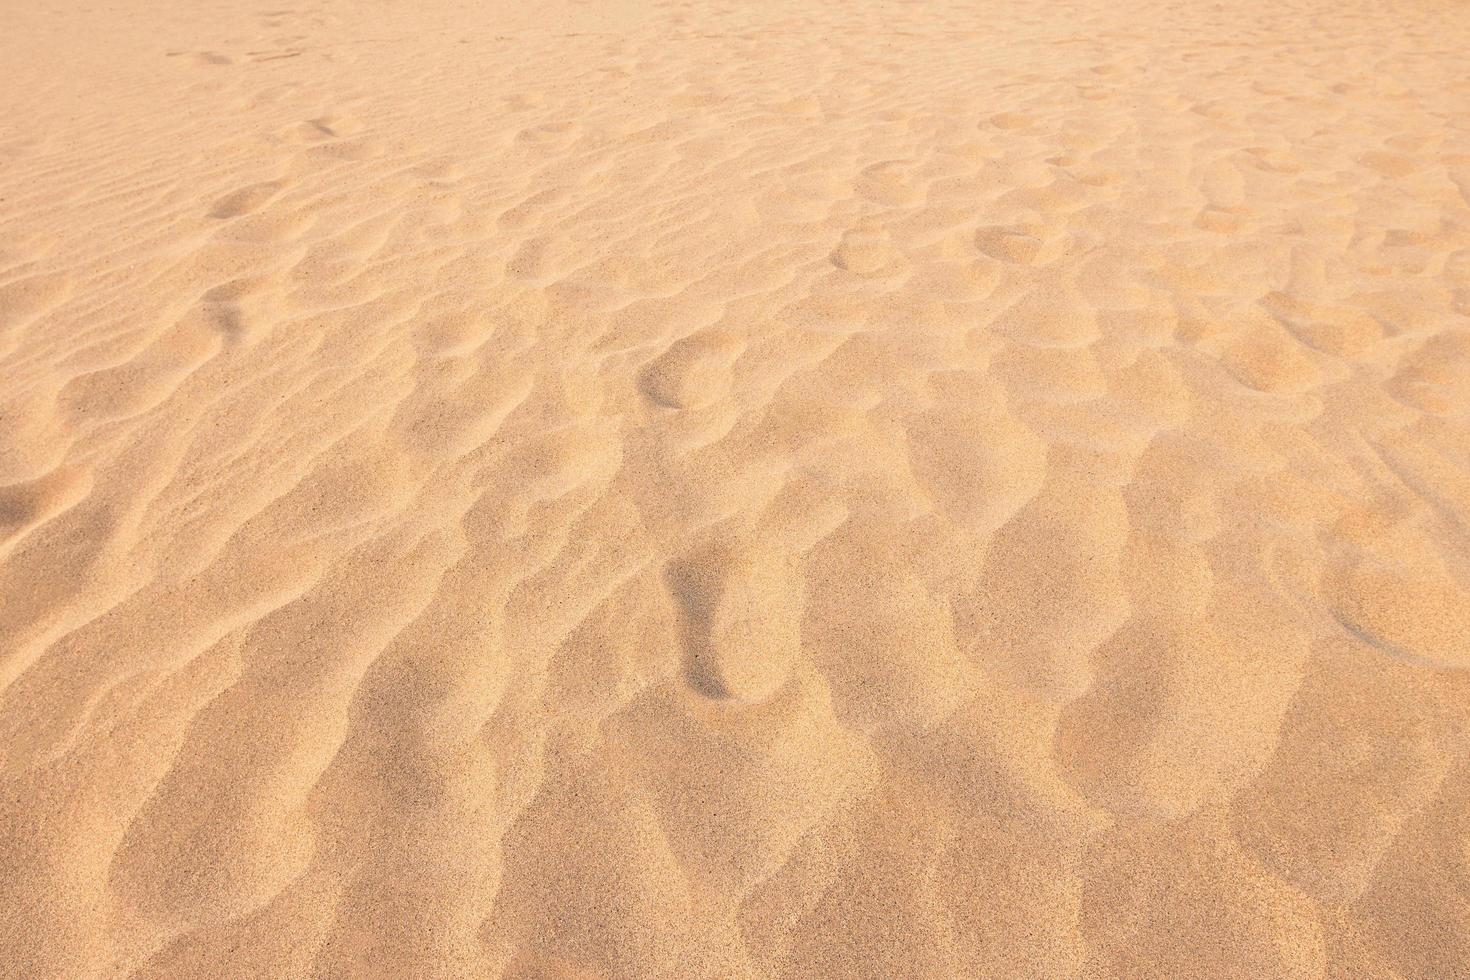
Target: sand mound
767, 490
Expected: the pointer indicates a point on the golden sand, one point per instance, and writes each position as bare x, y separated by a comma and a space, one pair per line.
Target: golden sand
777, 489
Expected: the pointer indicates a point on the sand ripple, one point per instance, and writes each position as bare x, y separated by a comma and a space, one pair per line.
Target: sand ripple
758, 490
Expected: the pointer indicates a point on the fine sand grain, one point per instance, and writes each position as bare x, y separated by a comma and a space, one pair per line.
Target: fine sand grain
777, 489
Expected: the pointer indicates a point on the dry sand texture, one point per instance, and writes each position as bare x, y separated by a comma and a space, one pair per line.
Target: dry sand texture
778, 489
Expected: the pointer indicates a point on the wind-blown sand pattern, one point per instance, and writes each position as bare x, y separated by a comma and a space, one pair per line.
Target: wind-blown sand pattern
786, 489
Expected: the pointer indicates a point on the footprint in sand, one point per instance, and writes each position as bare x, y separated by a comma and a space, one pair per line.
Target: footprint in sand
741, 608
232, 309
246, 199
203, 58
1022, 244
325, 127
868, 254
1010, 120
694, 372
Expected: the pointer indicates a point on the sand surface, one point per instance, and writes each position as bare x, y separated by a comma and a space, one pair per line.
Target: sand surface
772, 489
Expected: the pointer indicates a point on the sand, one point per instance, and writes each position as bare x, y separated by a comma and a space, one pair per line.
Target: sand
779, 489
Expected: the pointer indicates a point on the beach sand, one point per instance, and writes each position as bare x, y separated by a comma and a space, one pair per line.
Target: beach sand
776, 489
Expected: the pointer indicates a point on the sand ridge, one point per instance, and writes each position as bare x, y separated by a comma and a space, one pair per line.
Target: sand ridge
770, 490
